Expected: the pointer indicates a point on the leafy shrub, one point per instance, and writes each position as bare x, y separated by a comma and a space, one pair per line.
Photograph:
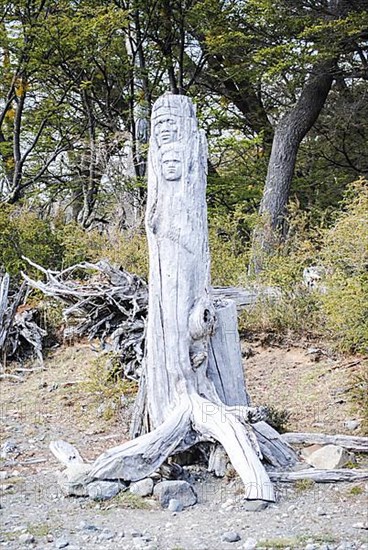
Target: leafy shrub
22, 233
340, 312
229, 239
278, 418
345, 255
127, 249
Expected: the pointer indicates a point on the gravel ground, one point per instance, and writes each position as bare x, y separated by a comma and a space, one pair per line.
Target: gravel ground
54, 403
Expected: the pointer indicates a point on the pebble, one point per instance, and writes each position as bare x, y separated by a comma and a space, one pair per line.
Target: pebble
26, 538
255, 505
360, 525
62, 542
250, 544
311, 546
87, 526
231, 536
3, 474
351, 425
106, 534
136, 534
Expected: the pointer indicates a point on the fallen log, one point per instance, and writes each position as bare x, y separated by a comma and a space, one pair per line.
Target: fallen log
320, 476
245, 297
352, 443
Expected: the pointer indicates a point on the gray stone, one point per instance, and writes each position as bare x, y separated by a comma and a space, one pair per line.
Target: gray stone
255, 505
178, 490
87, 526
136, 534
231, 536
106, 534
73, 481
142, 488
26, 538
311, 546
9, 447
250, 544
175, 505
103, 490
330, 457
361, 525
62, 542
352, 425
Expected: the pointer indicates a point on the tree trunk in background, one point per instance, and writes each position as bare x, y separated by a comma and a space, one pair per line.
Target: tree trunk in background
289, 133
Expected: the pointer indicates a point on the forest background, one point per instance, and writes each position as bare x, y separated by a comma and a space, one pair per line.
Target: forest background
281, 92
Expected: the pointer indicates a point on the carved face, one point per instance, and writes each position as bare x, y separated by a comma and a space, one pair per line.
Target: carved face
172, 166
166, 129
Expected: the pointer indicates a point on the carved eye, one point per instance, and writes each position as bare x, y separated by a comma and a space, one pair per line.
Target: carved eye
206, 316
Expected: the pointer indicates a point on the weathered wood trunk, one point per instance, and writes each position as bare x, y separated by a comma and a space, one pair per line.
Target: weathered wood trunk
183, 404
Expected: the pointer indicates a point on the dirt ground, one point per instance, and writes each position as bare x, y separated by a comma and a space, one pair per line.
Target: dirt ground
56, 402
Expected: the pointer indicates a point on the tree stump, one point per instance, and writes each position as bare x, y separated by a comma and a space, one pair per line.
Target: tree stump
186, 388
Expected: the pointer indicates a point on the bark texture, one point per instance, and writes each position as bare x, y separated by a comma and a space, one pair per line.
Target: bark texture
289, 133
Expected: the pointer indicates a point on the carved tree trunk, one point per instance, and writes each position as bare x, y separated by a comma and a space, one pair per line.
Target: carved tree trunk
183, 405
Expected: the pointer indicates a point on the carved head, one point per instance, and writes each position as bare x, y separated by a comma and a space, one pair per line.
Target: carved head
172, 164
166, 128
169, 116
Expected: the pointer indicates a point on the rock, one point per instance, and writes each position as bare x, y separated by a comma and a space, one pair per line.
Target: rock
142, 488
9, 447
250, 544
361, 525
231, 536
106, 534
175, 505
255, 505
178, 490
330, 457
103, 490
311, 546
136, 534
26, 538
62, 542
307, 451
74, 480
84, 526
3, 474
352, 425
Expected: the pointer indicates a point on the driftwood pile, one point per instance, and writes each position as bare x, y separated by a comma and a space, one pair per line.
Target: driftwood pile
103, 302
20, 333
